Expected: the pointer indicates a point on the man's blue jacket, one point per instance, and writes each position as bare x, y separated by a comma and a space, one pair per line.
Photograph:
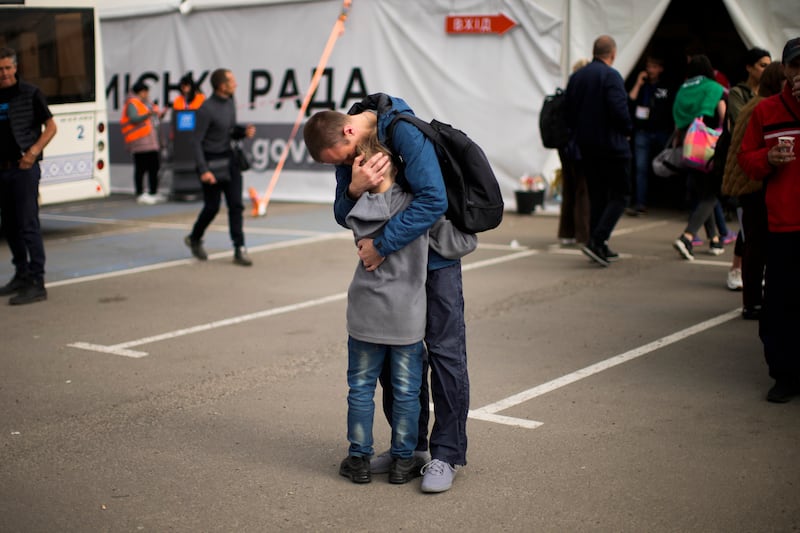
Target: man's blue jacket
420, 175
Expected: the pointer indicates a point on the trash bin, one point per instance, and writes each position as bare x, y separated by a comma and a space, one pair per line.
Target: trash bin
185, 181
528, 200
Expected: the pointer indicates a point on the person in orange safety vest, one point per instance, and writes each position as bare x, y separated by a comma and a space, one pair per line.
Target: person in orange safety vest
140, 131
190, 98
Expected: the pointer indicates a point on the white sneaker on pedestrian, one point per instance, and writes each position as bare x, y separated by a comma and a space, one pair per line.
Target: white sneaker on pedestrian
437, 476
146, 199
735, 279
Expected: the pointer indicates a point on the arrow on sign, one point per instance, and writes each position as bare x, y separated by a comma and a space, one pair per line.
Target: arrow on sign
497, 24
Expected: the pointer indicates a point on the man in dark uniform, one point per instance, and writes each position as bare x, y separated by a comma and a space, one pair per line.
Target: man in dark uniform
23, 112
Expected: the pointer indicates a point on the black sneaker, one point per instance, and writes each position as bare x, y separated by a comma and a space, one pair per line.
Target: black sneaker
356, 468
33, 291
404, 470
684, 247
595, 253
782, 392
196, 247
17, 283
610, 254
752, 312
240, 257
716, 248
638, 211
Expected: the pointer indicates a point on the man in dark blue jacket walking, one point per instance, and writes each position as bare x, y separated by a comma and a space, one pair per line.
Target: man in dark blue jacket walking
600, 123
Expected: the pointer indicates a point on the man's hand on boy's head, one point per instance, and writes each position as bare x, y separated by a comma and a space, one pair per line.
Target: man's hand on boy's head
367, 174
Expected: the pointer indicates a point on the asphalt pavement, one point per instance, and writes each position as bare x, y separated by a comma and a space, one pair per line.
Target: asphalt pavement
153, 392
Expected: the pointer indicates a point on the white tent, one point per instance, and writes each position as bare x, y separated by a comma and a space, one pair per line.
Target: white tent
490, 85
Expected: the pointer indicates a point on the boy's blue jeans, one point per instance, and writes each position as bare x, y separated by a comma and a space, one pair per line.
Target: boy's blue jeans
365, 361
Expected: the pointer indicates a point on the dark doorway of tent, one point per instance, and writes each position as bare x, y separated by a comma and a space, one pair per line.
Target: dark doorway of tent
690, 27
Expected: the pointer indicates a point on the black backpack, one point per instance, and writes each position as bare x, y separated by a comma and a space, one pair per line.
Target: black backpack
553, 120
474, 201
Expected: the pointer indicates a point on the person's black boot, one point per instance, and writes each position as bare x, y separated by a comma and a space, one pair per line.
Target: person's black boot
196, 247
783, 391
17, 283
240, 257
33, 291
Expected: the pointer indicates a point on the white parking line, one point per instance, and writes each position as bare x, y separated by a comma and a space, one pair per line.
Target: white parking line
488, 412
639, 227
122, 348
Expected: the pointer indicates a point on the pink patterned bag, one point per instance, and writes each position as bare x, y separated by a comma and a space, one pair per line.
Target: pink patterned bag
699, 144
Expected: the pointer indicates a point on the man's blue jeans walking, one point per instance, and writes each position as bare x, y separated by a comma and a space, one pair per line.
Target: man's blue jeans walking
365, 361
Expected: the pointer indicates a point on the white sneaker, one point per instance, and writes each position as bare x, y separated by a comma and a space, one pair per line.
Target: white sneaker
735, 279
146, 199
380, 464
158, 198
437, 476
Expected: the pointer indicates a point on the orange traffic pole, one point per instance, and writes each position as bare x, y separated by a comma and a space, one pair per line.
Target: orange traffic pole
338, 29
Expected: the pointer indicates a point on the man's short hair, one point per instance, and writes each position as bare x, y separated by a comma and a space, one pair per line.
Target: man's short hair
6, 52
604, 46
218, 77
324, 130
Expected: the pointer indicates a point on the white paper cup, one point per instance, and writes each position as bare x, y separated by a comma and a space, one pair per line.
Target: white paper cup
786, 144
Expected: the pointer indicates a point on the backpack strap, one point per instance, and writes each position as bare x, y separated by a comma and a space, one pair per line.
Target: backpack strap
427, 130
420, 124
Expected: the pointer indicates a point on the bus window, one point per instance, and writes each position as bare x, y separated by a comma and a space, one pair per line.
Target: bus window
55, 50
59, 50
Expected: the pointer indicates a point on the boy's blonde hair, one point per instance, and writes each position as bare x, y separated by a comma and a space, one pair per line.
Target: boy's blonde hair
371, 146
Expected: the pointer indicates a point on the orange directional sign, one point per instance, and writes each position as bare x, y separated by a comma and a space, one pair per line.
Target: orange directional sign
496, 24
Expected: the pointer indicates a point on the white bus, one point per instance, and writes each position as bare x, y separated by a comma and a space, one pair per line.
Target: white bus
59, 50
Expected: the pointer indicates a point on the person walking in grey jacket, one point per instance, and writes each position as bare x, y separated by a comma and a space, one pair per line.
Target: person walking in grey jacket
218, 169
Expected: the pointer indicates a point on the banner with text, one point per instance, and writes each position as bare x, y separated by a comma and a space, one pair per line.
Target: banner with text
489, 84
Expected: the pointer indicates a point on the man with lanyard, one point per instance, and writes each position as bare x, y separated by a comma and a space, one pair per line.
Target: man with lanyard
23, 112
651, 99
